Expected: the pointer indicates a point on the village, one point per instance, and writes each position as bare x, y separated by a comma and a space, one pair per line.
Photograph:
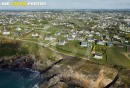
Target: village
100, 37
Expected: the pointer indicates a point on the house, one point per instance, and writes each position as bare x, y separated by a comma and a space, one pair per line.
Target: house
81, 32
116, 37
90, 35
87, 32
90, 39
97, 33
119, 45
79, 38
89, 45
109, 44
70, 38
100, 43
84, 44
49, 38
26, 22
61, 42
73, 35
98, 56
6, 32
35, 35
92, 31
27, 30
18, 29
107, 37
1, 22
58, 34
126, 41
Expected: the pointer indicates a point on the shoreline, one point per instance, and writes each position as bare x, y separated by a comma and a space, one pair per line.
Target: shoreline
19, 77
54, 74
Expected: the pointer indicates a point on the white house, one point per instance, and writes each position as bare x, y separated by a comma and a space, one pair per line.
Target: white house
58, 34
6, 33
87, 32
49, 38
92, 31
61, 42
84, 44
90, 35
79, 38
98, 57
100, 43
73, 36
97, 33
35, 35
18, 29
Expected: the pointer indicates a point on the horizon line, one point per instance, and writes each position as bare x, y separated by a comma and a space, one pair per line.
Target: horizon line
58, 9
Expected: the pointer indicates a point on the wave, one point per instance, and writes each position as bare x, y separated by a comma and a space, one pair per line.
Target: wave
35, 86
22, 78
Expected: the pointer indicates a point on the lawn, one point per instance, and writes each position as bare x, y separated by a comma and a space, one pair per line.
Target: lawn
31, 39
101, 61
74, 48
46, 41
52, 30
114, 56
129, 55
12, 48
99, 49
39, 51
61, 37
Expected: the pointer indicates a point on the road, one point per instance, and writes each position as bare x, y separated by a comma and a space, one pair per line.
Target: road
41, 44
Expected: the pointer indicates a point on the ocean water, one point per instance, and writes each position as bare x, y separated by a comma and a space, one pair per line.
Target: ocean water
19, 78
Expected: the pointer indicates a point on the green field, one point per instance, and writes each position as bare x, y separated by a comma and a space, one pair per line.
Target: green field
74, 48
115, 56
129, 55
13, 47
46, 41
52, 30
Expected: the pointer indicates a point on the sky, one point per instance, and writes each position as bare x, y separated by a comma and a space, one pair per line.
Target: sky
73, 4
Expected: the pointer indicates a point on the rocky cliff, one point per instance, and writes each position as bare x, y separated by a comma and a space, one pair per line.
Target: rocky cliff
66, 72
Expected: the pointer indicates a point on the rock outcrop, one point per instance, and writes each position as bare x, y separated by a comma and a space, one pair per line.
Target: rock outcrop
60, 73
16, 62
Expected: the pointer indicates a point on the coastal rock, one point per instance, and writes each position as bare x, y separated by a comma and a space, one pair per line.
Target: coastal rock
57, 75
53, 81
16, 62
60, 85
42, 64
